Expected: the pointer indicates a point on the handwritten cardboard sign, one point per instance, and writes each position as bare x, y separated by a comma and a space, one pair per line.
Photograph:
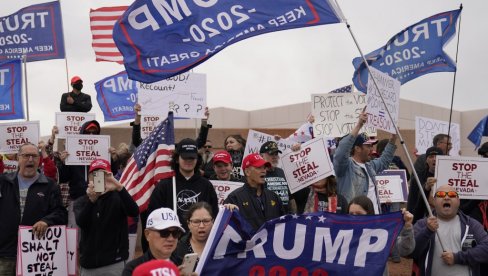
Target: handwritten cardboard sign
83, 149
308, 165
187, 94
224, 188
391, 186
426, 129
69, 123
14, 135
45, 256
336, 114
149, 123
468, 175
377, 111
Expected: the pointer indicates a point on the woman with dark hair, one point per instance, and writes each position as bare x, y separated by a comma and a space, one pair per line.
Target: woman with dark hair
360, 205
323, 197
235, 145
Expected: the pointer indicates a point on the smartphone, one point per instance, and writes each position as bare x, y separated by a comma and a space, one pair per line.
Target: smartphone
59, 145
99, 181
189, 261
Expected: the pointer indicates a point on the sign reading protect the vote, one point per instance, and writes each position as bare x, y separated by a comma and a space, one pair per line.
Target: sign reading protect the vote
377, 111
69, 123
336, 114
14, 135
186, 93
468, 175
224, 188
83, 149
44, 256
392, 186
426, 129
308, 165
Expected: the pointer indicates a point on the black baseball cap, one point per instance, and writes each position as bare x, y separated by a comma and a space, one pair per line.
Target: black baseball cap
187, 148
269, 147
433, 151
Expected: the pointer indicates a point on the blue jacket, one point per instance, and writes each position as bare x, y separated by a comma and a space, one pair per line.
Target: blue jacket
472, 257
351, 180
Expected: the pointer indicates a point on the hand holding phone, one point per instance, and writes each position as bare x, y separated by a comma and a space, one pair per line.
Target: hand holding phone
189, 263
99, 181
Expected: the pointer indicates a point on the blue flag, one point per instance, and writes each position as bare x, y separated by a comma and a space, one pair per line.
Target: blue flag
413, 52
310, 244
35, 31
11, 106
117, 96
480, 130
160, 39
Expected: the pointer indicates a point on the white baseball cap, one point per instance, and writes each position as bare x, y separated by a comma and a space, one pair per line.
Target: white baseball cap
163, 218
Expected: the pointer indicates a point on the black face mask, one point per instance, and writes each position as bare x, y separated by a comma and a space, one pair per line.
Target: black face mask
78, 86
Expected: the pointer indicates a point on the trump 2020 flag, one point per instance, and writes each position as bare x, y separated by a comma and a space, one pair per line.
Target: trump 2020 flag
160, 39
150, 163
35, 31
413, 52
310, 244
480, 130
11, 106
116, 96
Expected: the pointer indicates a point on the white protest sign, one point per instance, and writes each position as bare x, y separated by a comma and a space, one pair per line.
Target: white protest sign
69, 123
224, 188
377, 114
186, 92
83, 149
256, 139
308, 165
336, 114
426, 129
14, 135
391, 186
149, 123
45, 256
72, 251
468, 175
10, 165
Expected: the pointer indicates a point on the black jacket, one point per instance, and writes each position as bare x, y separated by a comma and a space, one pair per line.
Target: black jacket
104, 229
130, 266
250, 208
43, 202
82, 102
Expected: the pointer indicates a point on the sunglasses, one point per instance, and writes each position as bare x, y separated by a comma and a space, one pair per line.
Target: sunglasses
175, 233
442, 194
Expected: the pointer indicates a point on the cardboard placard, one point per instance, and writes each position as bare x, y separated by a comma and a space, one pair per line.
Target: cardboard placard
391, 186
224, 188
14, 135
427, 128
83, 149
149, 123
69, 123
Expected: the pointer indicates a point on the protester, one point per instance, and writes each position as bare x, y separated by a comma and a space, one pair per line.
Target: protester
28, 198
465, 243
207, 155
323, 197
75, 101
235, 145
256, 203
46, 164
354, 171
119, 157
441, 141
415, 203
222, 166
102, 219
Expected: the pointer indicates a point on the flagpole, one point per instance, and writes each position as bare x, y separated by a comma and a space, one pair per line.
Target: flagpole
24, 61
402, 141
64, 41
454, 79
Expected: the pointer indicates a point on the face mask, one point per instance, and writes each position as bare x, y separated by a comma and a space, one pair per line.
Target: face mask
78, 86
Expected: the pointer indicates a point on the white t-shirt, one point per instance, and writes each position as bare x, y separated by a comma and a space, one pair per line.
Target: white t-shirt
371, 189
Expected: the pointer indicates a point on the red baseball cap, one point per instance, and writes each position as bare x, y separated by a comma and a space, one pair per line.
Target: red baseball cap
222, 156
156, 267
254, 160
100, 164
75, 79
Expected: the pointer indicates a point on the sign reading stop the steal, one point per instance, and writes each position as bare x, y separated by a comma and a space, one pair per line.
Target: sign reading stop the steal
83, 149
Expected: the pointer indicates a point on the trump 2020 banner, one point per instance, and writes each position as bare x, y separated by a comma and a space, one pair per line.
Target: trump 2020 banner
160, 39
310, 244
413, 52
11, 106
117, 96
35, 31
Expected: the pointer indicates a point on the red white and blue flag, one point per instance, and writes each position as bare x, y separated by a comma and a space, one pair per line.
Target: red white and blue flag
150, 163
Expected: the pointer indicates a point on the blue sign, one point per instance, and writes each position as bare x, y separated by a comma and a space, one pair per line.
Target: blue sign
310, 244
413, 52
11, 106
160, 39
117, 96
35, 31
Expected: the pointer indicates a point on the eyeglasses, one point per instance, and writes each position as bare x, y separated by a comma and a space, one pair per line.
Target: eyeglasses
207, 147
27, 156
442, 194
175, 233
197, 222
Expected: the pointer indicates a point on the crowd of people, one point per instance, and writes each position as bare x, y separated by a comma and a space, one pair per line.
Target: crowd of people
44, 191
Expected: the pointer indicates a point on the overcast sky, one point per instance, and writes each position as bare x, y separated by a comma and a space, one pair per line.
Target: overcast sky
280, 68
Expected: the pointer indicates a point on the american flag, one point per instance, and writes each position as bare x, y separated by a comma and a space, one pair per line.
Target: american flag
102, 23
150, 163
344, 89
